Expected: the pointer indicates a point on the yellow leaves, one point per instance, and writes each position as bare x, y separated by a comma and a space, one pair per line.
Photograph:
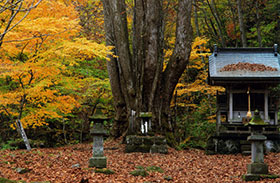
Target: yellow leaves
38, 118
95, 88
193, 92
199, 42
199, 49
37, 54
65, 104
186, 105
9, 98
199, 85
83, 49
212, 118
50, 20
35, 81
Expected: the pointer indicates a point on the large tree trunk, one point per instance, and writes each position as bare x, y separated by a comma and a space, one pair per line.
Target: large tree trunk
137, 78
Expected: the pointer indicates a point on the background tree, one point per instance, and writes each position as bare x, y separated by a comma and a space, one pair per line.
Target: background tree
10, 10
241, 23
238, 23
51, 75
138, 80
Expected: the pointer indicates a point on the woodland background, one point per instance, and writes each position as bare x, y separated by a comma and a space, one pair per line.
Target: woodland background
53, 65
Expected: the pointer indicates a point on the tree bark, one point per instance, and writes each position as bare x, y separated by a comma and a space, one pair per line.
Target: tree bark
196, 19
137, 79
179, 58
241, 24
114, 73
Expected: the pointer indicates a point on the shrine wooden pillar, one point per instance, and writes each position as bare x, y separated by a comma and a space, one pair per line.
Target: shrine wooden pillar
266, 106
230, 105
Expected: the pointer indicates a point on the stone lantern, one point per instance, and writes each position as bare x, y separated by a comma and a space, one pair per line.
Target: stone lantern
257, 169
257, 153
98, 159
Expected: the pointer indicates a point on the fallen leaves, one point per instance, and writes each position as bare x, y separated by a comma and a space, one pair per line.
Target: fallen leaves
248, 67
55, 165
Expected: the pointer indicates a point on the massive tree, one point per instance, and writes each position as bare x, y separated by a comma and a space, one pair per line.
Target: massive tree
139, 81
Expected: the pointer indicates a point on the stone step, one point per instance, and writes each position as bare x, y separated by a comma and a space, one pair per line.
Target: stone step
246, 153
245, 147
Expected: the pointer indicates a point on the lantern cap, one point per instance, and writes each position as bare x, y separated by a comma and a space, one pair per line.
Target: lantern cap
145, 114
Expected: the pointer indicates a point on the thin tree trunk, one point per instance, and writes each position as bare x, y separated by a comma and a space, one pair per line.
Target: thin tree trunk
197, 27
64, 132
217, 19
23, 135
258, 24
233, 20
241, 24
211, 26
196, 19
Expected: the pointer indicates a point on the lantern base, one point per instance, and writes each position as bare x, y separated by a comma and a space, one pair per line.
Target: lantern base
98, 162
257, 168
257, 177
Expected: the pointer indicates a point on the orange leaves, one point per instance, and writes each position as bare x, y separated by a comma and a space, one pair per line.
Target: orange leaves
65, 104
199, 49
39, 56
51, 19
83, 49
198, 66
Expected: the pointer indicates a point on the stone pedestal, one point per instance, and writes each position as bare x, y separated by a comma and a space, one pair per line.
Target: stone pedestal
257, 143
257, 167
98, 162
146, 144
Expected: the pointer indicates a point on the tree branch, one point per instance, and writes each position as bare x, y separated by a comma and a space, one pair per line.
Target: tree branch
14, 13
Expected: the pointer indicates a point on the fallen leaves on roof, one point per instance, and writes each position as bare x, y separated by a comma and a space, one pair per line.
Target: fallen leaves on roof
248, 67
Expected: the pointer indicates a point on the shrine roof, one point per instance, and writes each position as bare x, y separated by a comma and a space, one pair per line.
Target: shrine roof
250, 65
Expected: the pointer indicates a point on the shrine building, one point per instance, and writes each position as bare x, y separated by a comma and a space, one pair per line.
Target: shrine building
250, 77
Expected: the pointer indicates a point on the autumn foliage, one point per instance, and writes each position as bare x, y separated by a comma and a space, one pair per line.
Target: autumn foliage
37, 58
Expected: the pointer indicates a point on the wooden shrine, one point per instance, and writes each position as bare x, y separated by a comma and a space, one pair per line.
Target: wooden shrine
248, 76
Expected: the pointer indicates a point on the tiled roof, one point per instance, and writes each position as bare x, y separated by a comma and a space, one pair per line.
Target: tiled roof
225, 56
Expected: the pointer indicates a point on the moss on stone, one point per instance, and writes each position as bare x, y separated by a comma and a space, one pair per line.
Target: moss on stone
257, 177
104, 171
145, 114
3, 180
139, 172
154, 169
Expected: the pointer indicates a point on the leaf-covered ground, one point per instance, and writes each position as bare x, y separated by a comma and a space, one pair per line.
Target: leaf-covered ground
55, 165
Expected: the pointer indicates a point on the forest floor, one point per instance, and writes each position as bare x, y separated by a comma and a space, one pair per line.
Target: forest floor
56, 165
